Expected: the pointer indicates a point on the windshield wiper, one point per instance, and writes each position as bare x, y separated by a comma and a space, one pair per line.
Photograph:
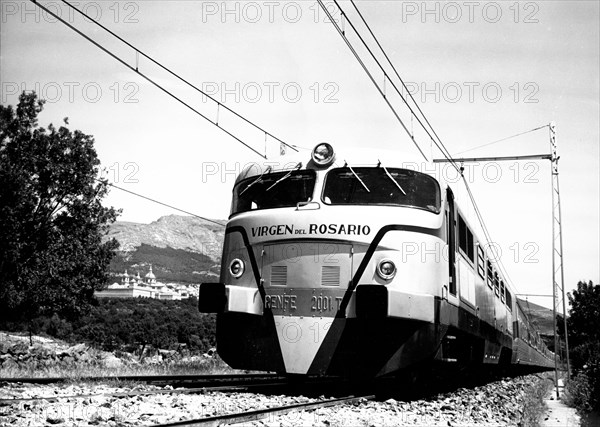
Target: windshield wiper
357, 177
298, 166
392, 178
256, 180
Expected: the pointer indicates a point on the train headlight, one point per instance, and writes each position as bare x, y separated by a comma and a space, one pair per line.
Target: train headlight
323, 154
386, 269
237, 267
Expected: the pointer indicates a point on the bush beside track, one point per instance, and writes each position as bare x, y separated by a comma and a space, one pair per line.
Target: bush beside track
583, 390
131, 325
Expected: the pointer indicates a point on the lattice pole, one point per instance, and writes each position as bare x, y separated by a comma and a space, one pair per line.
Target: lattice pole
558, 280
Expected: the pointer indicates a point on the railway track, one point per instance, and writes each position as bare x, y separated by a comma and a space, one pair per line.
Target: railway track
248, 387
271, 384
294, 402
244, 417
257, 383
190, 384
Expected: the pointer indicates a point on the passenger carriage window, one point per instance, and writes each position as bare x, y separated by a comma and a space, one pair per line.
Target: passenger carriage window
497, 283
462, 234
502, 290
480, 262
470, 245
273, 190
490, 274
376, 186
522, 325
508, 299
465, 238
521, 328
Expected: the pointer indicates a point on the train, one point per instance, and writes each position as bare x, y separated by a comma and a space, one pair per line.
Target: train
362, 262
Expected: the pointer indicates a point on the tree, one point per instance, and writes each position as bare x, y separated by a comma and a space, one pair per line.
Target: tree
52, 257
584, 315
584, 343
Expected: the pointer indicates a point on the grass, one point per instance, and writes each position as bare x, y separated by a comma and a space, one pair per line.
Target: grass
94, 365
534, 407
212, 366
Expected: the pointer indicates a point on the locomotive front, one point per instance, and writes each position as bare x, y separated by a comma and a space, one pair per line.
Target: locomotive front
322, 271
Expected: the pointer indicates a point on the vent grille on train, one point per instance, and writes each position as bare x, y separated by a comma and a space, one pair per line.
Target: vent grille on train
279, 275
330, 275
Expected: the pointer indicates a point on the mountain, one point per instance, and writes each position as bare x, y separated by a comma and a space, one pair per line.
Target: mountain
180, 249
541, 316
174, 231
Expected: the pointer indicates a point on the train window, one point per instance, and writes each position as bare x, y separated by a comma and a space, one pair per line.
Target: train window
462, 234
502, 290
508, 299
490, 274
274, 190
497, 283
470, 245
465, 238
379, 186
480, 262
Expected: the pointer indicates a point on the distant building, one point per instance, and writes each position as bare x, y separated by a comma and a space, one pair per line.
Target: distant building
133, 286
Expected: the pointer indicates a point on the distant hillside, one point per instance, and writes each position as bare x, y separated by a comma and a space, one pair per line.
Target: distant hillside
173, 231
541, 316
179, 248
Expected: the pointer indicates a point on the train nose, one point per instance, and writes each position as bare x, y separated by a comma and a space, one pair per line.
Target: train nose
304, 286
300, 339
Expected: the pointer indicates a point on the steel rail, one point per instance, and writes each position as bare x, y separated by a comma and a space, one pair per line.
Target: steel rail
242, 417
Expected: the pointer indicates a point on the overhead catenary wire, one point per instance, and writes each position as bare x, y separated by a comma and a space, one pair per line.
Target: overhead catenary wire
487, 235
438, 143
478, 212
136, 69
139, 52
502, 139
114, 56
110, 184
159, 202
357, 56
413, 115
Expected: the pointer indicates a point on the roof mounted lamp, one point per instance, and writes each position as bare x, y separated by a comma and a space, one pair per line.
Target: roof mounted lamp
323, 154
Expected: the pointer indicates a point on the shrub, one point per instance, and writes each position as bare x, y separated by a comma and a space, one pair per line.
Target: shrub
584, 388
126, 324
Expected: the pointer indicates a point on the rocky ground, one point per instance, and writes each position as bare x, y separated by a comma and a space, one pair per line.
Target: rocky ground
44, 357
16, 353
499, 403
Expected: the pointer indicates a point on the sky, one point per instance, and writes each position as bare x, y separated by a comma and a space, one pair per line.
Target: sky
481, 71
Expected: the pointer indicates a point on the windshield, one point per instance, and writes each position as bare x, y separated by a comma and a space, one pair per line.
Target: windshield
394, 187
273, 190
